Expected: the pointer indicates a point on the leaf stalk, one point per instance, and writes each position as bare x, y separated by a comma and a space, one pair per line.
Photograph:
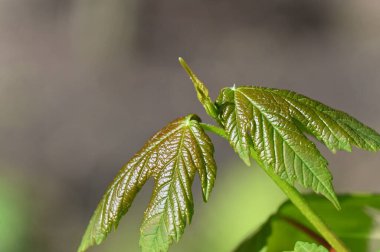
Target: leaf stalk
214, 129
304, 207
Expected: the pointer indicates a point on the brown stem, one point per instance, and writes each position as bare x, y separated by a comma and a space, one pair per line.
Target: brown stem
315, 236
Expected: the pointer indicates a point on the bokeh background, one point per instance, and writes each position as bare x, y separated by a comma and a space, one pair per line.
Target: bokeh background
84, 83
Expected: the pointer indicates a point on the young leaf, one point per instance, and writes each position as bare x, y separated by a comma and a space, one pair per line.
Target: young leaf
308, 247
269, 124
171, 157
336, 129
202, 91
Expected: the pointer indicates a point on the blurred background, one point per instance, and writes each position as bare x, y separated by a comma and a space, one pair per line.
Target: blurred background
83, 84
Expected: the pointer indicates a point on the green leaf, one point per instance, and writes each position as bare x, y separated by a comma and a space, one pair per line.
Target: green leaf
270, 125
356, 225
336, 129
308, 247
171, 157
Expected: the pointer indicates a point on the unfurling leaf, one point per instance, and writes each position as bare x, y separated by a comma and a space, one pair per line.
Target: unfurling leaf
171, 157
270, 124
202, 91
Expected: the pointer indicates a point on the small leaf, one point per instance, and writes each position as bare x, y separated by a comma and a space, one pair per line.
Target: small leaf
171, 157
308, 247
202, 91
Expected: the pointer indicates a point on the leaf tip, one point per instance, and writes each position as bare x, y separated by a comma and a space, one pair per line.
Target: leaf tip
206, 191
85, 244
337, 205
90, 239
82, 248
334, 200
186, 67
246, 160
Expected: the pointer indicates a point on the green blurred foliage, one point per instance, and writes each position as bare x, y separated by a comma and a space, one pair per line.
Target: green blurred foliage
356, 224
13, 217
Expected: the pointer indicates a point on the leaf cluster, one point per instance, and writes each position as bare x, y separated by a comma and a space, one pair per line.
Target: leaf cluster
266, 124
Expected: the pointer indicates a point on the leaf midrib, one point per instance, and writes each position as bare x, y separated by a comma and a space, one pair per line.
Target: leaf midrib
264, 115
204, 163
237, 127
170, 186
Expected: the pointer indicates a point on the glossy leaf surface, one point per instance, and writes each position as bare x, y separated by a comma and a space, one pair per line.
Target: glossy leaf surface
171, 157
270, 125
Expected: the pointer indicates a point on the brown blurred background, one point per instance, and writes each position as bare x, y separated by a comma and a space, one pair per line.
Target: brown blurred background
83, 84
